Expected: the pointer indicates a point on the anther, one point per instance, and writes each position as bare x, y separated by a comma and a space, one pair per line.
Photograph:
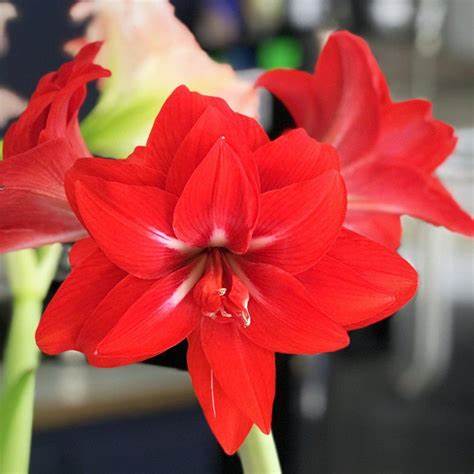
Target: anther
225, 314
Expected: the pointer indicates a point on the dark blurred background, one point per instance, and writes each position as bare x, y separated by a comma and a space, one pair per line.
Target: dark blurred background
400, 399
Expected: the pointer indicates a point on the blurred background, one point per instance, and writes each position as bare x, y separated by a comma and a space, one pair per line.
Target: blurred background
400, 399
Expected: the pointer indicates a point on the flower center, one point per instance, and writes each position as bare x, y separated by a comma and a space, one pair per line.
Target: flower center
220, 293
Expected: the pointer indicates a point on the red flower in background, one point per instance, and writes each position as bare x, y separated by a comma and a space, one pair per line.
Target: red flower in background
389, 150
38, 149
213, 233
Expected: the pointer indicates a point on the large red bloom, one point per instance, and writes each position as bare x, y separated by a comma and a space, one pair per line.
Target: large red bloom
389, 150
37, 151
213, 233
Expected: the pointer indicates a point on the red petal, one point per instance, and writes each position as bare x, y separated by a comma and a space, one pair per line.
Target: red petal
292, 158
88, 52
341, 99
386, 229
212, 124
403, 190
33, 205
298, 223
350, 88
219, 205
132, 225
53, 108
251, 131
359, 282
40, 170
283, 319
296, 90
157, 321
177, 116
81, 250
229, 425
107, 315
410, 136
129, 171
245, 371
75, 301
62, 118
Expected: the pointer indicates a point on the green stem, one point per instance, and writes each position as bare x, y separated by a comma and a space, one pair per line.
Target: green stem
30, 274
258, 454
20, 363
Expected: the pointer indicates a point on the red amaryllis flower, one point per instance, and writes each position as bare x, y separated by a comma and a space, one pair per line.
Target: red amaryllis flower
214, 233
37, 151
389, 150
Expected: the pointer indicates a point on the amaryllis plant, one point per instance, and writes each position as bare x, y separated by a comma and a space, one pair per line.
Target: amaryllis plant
213, 233
209, 232
38, 149
389, 150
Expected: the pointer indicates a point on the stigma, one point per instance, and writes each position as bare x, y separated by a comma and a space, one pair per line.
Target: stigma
220, 293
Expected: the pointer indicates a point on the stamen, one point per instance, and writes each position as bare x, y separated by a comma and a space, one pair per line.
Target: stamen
218, 302
225, 314
246, 317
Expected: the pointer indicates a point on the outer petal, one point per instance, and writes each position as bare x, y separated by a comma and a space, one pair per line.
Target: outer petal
296, 90
158, 320
410, 136
75, 301
229, 425
33, 207
347, 88
298, 223
62, 118
219, 205
384, 228
132, 225
129, 171
403, 190
53, 108
359, 282
245, 371
81, 250
283, 318
292, 158
40, 170
350, 88
109, 311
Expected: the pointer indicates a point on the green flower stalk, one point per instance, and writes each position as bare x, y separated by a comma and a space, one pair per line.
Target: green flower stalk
258, 454
30, 273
